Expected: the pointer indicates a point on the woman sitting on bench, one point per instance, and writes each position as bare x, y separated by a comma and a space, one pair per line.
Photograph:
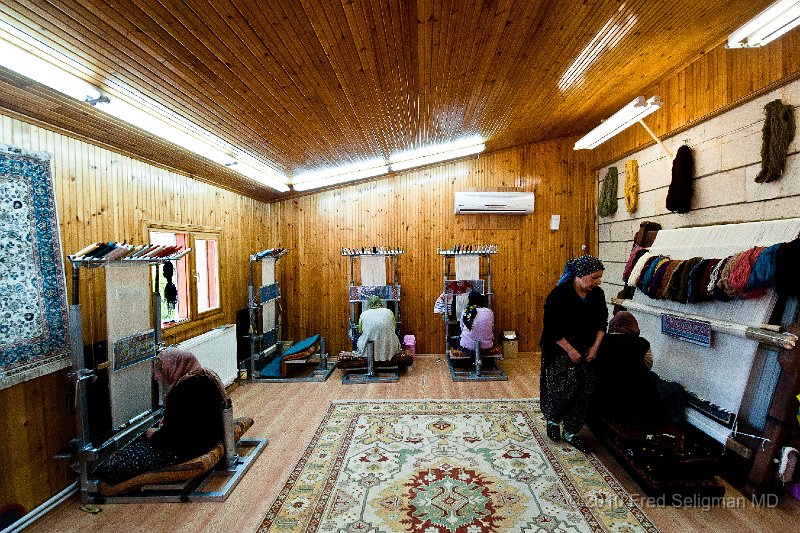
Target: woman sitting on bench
377, 324
626, 389
191, 426
477, 324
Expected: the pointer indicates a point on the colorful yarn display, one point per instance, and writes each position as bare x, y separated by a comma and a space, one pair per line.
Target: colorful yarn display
740, 276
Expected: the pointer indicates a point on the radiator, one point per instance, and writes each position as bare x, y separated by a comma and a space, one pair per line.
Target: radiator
216, 350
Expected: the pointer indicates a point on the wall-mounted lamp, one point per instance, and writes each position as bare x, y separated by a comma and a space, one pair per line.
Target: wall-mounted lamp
628, 115
767, 26
25, 55
437, 153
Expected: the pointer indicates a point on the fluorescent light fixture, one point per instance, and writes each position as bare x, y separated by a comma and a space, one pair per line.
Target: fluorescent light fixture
33, 59
332, 176
434, 154
37, 69
631, 113
770, 24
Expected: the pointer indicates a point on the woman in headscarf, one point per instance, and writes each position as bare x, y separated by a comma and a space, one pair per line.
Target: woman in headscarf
377, 324
192, 423
626, 389
574, 322
477, 324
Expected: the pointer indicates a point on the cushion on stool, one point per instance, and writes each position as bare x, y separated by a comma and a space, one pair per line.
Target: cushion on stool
181, 471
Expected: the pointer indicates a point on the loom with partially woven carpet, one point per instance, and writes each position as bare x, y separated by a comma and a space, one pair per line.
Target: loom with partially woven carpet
735, 353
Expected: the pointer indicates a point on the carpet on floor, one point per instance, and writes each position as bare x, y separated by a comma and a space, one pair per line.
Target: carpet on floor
436, 466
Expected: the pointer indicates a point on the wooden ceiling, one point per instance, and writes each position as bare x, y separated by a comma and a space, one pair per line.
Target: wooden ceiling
304, 84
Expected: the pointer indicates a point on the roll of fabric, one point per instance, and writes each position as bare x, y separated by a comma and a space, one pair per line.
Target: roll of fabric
636, 253
718, 291
741, 270
679, 194
763, 273
663, 285
682, 294
694, 294
657, 278
607, 205
638, 267
631, 185
647, 275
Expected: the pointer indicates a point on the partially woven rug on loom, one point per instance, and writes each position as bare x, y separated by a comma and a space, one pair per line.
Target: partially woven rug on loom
466, 466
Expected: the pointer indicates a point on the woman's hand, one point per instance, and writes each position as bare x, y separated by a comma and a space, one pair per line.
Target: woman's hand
149, 433
591, 354
574, 356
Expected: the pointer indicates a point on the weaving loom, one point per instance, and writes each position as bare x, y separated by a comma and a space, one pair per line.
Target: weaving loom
269, 360
133, 341
467, 269
372, 280
732, 381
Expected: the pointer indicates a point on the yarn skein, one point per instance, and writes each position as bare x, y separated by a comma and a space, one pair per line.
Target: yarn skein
631, 185
778, 132
608, 195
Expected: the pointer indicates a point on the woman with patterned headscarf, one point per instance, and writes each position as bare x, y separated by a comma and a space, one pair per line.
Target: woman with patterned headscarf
377, 324
477, 324
574, 322
192, 423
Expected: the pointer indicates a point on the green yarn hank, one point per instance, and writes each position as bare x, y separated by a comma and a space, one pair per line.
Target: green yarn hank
607, 204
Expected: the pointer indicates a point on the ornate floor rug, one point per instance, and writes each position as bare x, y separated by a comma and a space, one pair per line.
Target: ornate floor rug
437, 466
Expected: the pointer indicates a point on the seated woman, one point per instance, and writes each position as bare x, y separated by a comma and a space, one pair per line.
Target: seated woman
477, 324
192, 423
625, 388
377, 324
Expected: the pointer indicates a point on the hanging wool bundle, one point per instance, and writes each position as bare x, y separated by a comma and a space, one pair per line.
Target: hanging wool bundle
608, 195
777, 134
679, 194
632, 185
170, 290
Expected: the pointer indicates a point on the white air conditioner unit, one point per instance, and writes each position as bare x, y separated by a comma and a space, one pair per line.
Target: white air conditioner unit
496, 203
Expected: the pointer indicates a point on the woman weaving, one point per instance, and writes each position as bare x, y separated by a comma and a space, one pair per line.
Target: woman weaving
575, 318
477, 324
377, 325
192, 423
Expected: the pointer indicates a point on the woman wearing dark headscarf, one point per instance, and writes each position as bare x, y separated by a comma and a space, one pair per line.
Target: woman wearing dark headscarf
575, 317
626, 389
192, 423
377, 324
477, 323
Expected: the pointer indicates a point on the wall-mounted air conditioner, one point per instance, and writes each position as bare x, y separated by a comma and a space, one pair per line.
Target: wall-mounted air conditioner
496, 203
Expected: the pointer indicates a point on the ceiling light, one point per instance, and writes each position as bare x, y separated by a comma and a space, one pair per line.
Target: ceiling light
773, 22
332, 176
33, 59
31, 66
631, 113
434, 154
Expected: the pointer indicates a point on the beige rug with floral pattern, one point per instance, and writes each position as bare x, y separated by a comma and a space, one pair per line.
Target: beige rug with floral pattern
436, 466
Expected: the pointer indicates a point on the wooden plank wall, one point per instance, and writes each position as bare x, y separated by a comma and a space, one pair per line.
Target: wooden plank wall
718, 81
102, 196
414, 210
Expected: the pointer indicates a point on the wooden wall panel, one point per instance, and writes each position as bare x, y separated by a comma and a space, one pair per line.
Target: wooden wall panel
101, 196
716, 82
414, 210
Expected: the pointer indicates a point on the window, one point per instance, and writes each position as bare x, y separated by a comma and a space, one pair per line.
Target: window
195, 276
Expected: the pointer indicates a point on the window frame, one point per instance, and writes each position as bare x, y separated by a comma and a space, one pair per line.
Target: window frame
192, 232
